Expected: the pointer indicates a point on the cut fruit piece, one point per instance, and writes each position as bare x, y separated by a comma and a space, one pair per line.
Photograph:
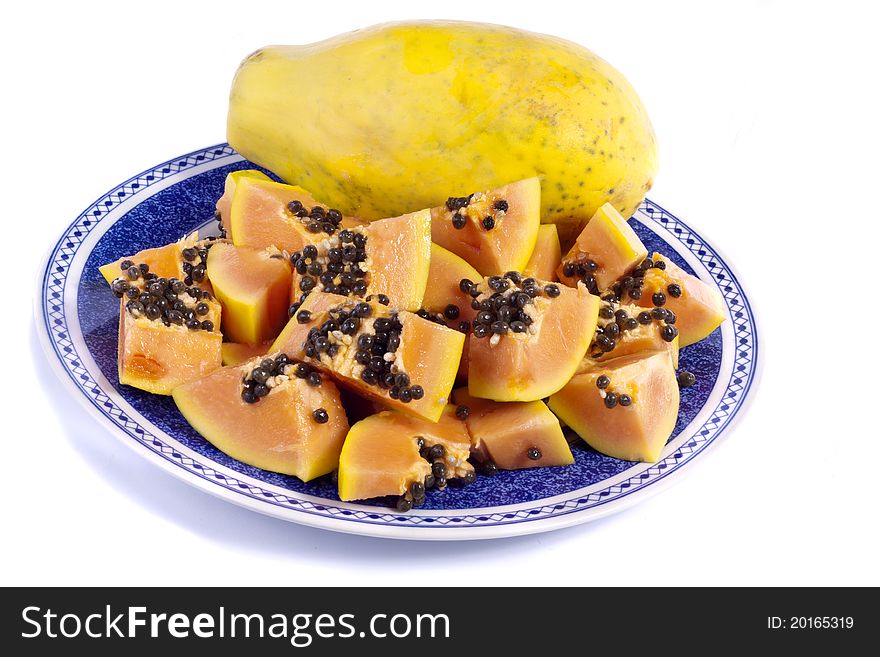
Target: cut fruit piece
390, 257
295, 428
514, 435
236, 353
698, 307
494, 231
546, 256
265, 213
444, 291
607, 249
393, 357
444, 286
164, 261
254, 287
184, 260
528, 338
224, 203
157, 357
639, 421
381, 455
625, 329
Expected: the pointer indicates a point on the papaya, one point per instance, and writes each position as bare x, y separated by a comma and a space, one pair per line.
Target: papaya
224, 203
266, 213
161, 349
547, 255
494, 231
253, 287
263, 414
445, 299
606, 250
625, 407
395, 454
390, 356
528, 337
390, 257
625, 329
168, 327
513, 435
504, 104
693, 309
236, 353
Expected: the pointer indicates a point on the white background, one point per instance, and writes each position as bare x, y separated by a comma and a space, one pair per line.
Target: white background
767, 124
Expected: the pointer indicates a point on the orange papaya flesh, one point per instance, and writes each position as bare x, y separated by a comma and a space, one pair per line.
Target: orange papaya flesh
295, 428
494, 231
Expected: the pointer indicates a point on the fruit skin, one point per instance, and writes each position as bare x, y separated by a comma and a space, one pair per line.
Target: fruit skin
224, 203
504, 104
526, 367
700, 308
508, 245
633, 433
503, 432
546, 256
429, 354
276, 433
381, 457
611, 242
258, 215
158, 358
236, 353
253, 288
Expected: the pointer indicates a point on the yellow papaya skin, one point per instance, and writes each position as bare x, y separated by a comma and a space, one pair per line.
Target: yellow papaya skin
401, 116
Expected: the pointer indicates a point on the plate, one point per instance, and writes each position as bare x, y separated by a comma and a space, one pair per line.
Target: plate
77, 318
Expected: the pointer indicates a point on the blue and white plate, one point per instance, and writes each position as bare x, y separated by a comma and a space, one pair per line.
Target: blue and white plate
77, 317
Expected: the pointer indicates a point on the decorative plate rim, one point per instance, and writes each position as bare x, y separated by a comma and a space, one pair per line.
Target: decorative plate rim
566, 509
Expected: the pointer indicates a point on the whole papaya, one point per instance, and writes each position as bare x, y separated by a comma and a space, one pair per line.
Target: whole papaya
397, 117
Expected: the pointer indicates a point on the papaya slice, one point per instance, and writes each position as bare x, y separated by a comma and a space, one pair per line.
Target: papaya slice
236, 353
547, 255
253, 287
265, 213
445, 299
607, 249
626, 407
394, 454
697, 309
528, 337
224, 203
391, 356
157, 354
494, 231
390, 257
290, 426
513, 435
625, 329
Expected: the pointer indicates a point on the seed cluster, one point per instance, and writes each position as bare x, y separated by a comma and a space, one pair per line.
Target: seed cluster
615, 321
166, 300
610, 397
475, 206
272, 372
318, 219
437, 478
376, 347
336, 265
510, 305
